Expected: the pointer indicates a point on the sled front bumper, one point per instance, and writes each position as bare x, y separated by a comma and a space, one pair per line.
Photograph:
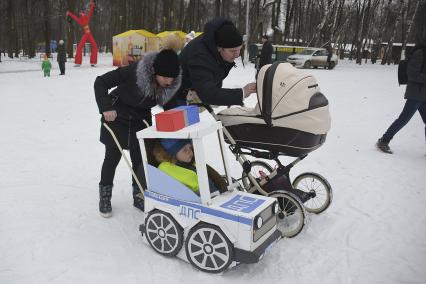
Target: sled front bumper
243, 256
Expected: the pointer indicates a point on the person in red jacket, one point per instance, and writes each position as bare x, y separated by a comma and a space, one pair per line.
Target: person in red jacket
83, 21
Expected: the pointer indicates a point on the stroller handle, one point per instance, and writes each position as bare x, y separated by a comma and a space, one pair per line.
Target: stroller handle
204, 105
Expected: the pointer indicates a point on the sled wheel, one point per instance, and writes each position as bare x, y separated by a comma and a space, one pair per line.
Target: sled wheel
163, 233
291, 215
256, 167
313, 182
307, 64
208, 248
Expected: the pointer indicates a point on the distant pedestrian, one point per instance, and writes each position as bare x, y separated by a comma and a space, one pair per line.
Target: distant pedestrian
329, 56
415, 94
62, 57
266, 53
46, 66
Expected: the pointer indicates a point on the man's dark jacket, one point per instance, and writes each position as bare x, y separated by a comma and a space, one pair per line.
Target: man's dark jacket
204, 70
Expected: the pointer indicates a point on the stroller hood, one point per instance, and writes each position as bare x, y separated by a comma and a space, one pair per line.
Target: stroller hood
287, 97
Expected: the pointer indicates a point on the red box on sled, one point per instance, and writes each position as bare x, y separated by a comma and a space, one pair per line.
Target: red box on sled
171, 120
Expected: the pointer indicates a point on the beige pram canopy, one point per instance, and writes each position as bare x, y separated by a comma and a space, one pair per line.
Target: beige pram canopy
291, 117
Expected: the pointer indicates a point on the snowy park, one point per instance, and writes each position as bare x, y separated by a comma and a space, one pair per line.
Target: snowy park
51, 230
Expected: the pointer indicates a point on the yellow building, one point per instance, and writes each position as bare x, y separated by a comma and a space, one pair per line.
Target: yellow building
164, 35
130, 46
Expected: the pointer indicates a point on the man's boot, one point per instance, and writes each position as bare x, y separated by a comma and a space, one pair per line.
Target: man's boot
105, 192
138, 200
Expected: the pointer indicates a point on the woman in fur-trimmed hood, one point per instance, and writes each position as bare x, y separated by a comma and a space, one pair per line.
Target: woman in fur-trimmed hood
139, 87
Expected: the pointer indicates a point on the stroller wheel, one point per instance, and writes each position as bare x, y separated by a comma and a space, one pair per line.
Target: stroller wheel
317, 184
257, 167
291, 216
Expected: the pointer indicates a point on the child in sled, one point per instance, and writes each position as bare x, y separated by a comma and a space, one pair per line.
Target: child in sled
176, 158
46, 66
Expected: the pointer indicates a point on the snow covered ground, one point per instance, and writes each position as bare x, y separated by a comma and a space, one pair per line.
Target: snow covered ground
50, 159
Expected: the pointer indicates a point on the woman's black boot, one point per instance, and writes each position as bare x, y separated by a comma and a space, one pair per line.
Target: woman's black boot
138, 201
105, 192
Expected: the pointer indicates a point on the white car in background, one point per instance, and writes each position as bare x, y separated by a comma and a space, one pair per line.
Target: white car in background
312, 57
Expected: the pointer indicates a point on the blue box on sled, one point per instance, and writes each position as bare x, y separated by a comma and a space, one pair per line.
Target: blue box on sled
191, 114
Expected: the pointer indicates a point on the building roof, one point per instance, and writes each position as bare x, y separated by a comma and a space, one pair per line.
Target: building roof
180, 34
144, 33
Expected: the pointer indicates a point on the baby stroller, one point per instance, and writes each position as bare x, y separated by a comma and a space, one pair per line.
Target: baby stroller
291, 119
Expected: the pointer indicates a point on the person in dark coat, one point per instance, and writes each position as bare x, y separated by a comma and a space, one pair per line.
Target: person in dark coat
62, 57
329, 56
415, 94
265, 53
206, 62
140, 86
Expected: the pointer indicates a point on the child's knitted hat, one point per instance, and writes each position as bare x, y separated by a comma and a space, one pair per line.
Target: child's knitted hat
172, 146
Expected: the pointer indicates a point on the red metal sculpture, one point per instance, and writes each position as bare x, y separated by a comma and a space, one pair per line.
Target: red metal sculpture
83, 21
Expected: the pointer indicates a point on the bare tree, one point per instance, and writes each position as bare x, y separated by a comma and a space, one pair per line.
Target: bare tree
387, 58
364, 23
12, 36
47, 36
405, 34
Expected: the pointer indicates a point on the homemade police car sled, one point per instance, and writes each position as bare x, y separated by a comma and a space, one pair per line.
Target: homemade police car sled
212, 232
291, 118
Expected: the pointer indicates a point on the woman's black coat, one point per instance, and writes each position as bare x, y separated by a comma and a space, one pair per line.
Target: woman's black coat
135, 95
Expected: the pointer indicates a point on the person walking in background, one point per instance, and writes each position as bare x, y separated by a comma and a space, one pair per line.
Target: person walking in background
329, 56
140, 86
46, 66
206, 62
415, 94
265, 53
62, 57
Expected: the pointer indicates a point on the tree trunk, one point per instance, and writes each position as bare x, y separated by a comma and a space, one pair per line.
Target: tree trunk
30, 29
216, 8
276, 23
47, 35
181, 14
388, 54
288, 19
10, 14
409, 25
70, 31
364, 20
